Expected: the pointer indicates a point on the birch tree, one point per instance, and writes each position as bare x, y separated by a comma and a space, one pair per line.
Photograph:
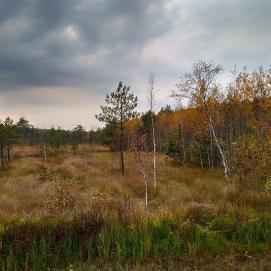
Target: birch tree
200, 89
137, 147
92, 141
151, 101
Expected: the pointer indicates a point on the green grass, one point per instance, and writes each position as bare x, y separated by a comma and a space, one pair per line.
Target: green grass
45, 245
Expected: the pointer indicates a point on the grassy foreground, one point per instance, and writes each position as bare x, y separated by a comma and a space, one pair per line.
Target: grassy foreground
71, 215
45, 245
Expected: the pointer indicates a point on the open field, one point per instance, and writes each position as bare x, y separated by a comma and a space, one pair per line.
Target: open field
28, 186
70, 213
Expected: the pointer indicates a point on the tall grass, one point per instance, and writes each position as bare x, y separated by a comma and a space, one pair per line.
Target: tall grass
45, 245
39, 228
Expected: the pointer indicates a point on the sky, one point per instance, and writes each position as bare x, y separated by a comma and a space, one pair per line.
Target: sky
59, 58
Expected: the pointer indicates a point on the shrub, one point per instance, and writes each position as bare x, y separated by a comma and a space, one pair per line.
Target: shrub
223, 223
64, 196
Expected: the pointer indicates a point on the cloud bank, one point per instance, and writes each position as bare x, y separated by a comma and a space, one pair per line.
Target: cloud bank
59, 58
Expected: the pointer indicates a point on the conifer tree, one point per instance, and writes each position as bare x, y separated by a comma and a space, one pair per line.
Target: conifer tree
119, 109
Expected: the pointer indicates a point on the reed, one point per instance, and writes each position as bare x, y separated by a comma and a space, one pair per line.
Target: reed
46, 245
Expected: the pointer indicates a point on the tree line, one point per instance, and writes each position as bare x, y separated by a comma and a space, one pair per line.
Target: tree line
52, 141
212, 126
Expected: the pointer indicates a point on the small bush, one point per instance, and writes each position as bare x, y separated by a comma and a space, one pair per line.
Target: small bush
223, 223
64, 196
199, 214
45, 174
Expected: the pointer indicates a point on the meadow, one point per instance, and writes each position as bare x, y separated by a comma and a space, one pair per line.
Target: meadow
73, 214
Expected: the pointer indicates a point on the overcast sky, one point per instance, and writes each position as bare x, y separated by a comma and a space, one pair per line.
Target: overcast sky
58, 58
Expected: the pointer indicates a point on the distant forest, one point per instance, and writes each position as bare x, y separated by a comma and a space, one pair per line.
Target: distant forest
237, 120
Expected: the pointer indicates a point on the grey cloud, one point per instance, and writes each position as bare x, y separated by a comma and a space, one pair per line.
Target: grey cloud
42, 54
230, 27
89, 45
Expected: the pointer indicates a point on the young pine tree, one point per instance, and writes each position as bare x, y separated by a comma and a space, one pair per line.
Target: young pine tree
119, 109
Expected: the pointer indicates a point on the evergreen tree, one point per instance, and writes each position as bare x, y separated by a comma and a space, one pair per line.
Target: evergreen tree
77, 134
119, 109
8, 137
23, 127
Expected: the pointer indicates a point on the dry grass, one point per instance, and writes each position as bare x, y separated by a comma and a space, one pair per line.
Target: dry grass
28, 183
64, 188
206, 263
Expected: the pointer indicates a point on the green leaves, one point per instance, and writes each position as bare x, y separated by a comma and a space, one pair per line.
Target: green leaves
120, 106
8, 131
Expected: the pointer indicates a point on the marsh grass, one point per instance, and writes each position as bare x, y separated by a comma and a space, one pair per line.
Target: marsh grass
62, 214
48, 244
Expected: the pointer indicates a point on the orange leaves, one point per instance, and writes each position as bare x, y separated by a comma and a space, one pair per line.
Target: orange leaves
133, 124
193, 121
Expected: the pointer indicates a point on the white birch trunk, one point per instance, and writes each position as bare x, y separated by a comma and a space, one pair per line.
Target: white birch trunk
223, 157
154, 154
142, 169
151, 97
44, 153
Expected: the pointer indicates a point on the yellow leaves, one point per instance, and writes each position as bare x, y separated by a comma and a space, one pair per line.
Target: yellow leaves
65, 194
268, 186
133, 124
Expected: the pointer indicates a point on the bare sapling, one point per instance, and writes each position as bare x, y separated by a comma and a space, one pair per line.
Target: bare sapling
44, 153
151, 101
93, 154
137, 147
92, 147
85, 159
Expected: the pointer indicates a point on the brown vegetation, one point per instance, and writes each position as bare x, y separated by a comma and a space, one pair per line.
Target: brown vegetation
32, 189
